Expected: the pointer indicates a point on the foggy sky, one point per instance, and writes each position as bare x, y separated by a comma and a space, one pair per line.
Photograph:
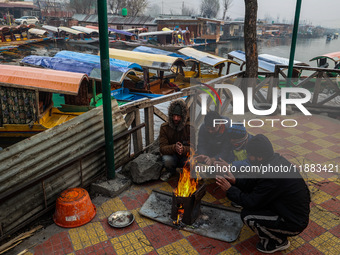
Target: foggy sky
315, 12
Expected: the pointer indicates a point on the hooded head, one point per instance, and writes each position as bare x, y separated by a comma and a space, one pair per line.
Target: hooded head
260, 147
178, 108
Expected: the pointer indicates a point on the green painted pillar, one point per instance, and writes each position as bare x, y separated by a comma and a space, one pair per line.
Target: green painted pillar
294, 37
105, 72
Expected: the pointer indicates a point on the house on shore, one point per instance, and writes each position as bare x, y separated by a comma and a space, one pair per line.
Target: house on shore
116, 22
18, 9
202, 29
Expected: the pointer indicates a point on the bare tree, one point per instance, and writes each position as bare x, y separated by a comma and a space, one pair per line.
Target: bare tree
188, 11
83, 6
226, 6
210, 8
115, 6
136, 7
154, 10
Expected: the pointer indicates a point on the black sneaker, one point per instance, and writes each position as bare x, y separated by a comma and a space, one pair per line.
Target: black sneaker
271, 248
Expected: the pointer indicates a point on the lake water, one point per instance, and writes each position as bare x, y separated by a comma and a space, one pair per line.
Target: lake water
305, 49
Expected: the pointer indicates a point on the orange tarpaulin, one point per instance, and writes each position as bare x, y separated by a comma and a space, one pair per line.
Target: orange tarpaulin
42, 79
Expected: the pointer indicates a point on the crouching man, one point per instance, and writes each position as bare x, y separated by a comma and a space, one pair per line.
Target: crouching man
174, 138
275, 205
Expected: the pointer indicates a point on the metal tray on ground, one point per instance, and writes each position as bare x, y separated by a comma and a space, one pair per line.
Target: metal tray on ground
218, 222
120, 219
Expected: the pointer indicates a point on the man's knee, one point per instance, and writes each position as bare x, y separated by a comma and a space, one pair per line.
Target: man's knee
169, 162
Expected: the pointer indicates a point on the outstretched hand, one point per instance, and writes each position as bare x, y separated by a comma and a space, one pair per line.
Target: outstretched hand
204, 159
229, 176
223, 183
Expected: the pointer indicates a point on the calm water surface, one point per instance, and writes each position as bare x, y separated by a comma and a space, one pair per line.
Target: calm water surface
305, 49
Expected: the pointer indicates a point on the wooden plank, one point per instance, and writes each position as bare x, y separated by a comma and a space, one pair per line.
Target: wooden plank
160, 114
137, 136
149, 125
317, 88
129, 118
328, 99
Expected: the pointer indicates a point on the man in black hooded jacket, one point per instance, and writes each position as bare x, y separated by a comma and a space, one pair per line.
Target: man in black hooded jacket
275, 204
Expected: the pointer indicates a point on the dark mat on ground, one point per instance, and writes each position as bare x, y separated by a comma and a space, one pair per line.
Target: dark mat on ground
218, 222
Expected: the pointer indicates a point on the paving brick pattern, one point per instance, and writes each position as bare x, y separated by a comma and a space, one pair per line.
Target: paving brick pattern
315, 140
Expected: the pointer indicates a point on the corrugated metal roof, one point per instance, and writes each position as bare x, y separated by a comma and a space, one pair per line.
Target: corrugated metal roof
48, 80
114, 19
17, 5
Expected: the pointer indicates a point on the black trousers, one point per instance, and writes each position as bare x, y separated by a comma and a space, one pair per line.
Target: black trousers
271, 228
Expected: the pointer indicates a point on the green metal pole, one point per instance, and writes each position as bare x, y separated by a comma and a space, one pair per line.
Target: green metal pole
293, 45
105, 73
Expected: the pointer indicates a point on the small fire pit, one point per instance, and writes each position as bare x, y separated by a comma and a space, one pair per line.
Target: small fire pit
187, 209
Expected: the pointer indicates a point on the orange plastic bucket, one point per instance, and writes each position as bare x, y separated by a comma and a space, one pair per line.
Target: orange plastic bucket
74, 208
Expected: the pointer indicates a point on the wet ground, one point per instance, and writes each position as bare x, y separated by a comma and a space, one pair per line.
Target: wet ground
316, 140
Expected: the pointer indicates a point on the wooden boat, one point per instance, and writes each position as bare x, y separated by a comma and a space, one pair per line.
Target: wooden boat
166, 40
117, 76
154, 67
322, 62
208, 63
93, 33
19, 35
26, 99
266, 62
77, 37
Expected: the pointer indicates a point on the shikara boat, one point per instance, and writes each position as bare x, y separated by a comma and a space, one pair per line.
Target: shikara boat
157, 70
117, 76
93, 33
19, 35
165, 40
77, 37
266, 62
210, 66
26, 99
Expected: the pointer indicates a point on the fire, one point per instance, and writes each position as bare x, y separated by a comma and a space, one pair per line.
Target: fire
186, 185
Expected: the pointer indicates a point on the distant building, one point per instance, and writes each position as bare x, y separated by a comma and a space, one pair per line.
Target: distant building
18, 9
118, 22
202, 29
232, 30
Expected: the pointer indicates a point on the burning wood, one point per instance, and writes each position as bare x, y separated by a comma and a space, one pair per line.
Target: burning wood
186, 198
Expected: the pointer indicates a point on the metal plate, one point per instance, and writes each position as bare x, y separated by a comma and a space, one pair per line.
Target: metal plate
120, 219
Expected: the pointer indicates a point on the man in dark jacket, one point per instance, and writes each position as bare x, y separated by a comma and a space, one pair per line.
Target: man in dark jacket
174, 138
276, 204
214, 141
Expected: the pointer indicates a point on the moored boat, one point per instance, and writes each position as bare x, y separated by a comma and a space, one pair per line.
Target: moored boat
26, 99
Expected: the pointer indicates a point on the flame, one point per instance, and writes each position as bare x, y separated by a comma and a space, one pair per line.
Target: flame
186, 185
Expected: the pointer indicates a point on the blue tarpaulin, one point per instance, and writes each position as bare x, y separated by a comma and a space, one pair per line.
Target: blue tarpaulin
117, 74
88, 58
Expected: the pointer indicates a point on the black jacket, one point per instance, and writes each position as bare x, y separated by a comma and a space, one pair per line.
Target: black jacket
286, 194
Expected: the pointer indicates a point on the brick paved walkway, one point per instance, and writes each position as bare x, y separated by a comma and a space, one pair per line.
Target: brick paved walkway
315, 140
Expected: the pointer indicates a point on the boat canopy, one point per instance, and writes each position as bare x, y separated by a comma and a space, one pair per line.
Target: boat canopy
167, 32
121, 32
50, 28
86, 30
48, 81
266, 62
146, 60
335, 56
83, 57
117, 74
162, 52
38, 32
205, 57
70, 30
